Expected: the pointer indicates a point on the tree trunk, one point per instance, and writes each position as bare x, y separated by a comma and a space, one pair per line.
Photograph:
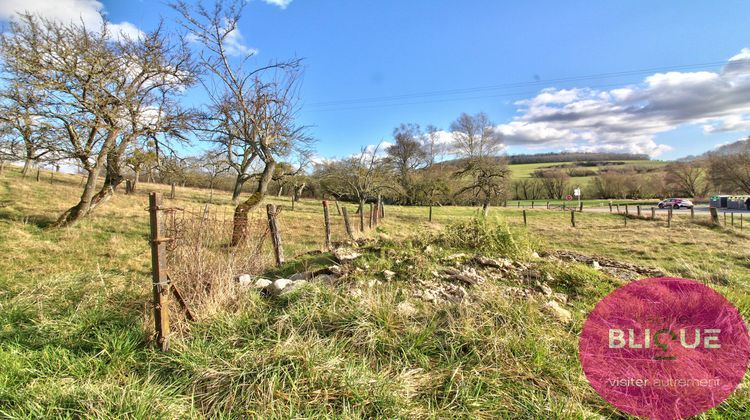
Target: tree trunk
134, 184
26, 167
77, 212
281, 190
298, 191
38, 173
239, 230
237, 190
486, 207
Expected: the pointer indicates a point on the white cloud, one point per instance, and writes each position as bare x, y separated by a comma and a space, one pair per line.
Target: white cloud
628, 118
124, 30
235, 44
88, 12
281, 3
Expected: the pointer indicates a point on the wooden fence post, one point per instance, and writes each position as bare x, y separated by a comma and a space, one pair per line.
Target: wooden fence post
159, 279
278, 252
732, 219
430, 218
740, 221
618, 208
573, 218
692, 213
625, 219
564, 204
610, 207
548, 205
327, 219
361, 216
653, 213
518, 204
524, 217
627, 211
532, 204
638, 210
372, 216
580, 207
172, 192
347, 225
714, 215
381, 205
338, 209
669, 217
725, 218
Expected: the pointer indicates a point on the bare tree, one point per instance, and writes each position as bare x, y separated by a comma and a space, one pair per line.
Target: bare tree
93, 85
360, 177
28, 138
475, 137
731, 173
407, 155
253, 110
213, 164
688, 178
478, 143
555, 182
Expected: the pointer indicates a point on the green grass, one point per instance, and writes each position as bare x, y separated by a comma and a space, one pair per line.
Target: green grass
76, 334
526, 170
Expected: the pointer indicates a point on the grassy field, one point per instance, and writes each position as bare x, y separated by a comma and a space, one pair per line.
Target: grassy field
526, 170
76, 334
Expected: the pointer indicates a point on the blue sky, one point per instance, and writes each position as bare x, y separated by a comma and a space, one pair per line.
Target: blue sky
358, 50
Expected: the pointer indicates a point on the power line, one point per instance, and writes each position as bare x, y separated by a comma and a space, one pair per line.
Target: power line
335, 105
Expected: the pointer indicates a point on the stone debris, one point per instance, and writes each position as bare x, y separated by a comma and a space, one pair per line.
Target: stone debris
300, 276
261, 283
244, 279
615, 268
344, 255
545, 289
468, 275
278, 286
325, 278
388, 274
555, 309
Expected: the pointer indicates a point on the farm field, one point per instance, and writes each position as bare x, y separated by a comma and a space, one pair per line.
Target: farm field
526, 170
76, 334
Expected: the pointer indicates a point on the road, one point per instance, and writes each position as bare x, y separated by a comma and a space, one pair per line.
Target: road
647, 209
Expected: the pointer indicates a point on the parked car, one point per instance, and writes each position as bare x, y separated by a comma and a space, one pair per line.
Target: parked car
676, 203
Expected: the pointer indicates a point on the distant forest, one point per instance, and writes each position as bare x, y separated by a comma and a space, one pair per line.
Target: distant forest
574, 157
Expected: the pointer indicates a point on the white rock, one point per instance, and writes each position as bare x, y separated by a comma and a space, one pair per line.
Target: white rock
535, 255
388, 274
595, 265
545, 289
278, 286
345, 254
244, 279
294, 286
262, 283
563, 315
